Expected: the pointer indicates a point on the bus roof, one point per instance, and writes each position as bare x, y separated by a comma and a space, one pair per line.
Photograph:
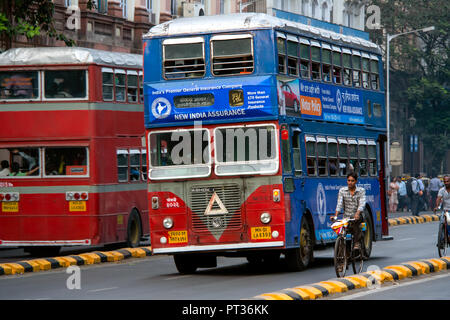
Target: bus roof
249, 21
68, 55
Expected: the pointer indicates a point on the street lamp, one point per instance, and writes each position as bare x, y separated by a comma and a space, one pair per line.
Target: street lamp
388, 107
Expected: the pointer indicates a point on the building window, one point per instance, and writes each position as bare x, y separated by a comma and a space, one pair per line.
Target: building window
123, 5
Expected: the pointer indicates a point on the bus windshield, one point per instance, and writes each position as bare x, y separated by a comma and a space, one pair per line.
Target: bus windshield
246, 150
179, 154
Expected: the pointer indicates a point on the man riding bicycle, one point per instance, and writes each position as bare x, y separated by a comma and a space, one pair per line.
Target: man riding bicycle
353, 200
444, 195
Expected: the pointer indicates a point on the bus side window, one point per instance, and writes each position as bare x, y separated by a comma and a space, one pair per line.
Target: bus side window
362, 155
132, 86
232, 55
343, 156
332, 156
372, 149
322, 156
144, 164
119, 80
353, 155
184, 58
296, 152
135, 165
347, 63
311, 161
365, 72
356, 64
108, 84
122, 165
374, 77
305, 58
337, 65
292, 50
281, 48
315, 57
326, 63
141, 87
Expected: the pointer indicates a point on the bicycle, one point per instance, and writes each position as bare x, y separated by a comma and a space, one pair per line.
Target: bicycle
344, 251
443, 241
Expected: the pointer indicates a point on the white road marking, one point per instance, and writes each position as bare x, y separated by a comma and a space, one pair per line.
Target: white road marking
103, 289
178, 277
406, 239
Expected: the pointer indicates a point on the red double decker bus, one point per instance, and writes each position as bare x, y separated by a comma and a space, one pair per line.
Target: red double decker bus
72, 152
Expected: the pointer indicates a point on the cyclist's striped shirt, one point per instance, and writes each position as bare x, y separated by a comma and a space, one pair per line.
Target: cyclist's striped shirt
350, 203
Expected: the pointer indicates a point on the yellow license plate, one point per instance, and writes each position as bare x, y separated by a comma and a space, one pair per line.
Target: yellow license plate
77, 205
12, 206
261, 233
178, 237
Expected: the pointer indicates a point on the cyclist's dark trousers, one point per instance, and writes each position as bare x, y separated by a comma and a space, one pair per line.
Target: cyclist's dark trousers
355, 229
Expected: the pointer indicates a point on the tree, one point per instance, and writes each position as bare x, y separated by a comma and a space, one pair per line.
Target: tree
30, 18
420, 69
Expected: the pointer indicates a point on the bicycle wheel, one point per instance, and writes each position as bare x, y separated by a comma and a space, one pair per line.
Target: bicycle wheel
442, 240
340, 257
357, 257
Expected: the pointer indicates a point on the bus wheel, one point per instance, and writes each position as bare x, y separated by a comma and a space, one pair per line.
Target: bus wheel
134, 230
298, 259
367, 235
184, 263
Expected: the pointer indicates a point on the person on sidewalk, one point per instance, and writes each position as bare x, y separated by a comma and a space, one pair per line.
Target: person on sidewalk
444, 195
393, 195
435, 185
416, 194
402, 195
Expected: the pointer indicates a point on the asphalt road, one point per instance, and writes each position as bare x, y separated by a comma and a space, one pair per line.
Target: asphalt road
156, 277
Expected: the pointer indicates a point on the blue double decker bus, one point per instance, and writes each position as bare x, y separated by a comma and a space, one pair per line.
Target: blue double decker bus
252, 124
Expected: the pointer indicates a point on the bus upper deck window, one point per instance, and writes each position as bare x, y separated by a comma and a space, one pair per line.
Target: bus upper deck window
311, 162
332, 156
281, 48
304, 58
183, 58
372, 152
374, 74
232, 54
337, 65
19, 85
365, 72
119, 81
326, 63
347, 64
322, 156
132, 86
292, 50
315, 57
108, 84
64, 84
356, 64
343, 156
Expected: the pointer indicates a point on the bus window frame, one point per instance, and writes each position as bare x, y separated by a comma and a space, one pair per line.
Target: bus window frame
328, 65
316, 44
307, 43
376, 72
371, 142
58, 176
120, 71
339, 68
322, 140
184, 40
296, 137
64, 69
333, 140
123, 151
276, 157
108, 70
353, 141
347, 52
365, 72
311, 138
150, 167
356, 70
40, 161
296, 58
343, 171
132, 72
231, 37
282, 36
362, 144
39, 83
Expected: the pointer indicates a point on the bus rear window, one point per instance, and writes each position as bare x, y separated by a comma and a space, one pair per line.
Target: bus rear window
183, 58
19, 162
65, 161
65, 84
19, 85
232, 55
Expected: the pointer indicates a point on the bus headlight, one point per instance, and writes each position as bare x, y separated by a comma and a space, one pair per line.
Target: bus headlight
265, 217
168, 223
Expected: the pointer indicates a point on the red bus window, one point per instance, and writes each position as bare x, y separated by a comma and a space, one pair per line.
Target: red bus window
132, 86
19, 162
63, 84
65, 161
108, 84
119, 81
122, 165
19, 85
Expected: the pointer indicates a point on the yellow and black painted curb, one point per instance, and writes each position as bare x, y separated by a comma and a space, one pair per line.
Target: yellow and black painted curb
413, 219
43, 264
363, 280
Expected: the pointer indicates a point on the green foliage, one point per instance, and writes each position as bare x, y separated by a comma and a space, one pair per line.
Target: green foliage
420, 69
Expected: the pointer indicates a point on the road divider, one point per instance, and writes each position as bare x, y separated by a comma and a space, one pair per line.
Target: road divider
413, 219
43, 264
391, 273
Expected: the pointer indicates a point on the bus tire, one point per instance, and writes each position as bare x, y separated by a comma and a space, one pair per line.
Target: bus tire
134, 230
368, 234
300, 258
185, 263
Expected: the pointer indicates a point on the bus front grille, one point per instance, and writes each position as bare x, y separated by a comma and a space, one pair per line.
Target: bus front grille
215, 218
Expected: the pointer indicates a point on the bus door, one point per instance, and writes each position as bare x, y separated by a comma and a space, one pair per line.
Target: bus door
381, 142
293, 181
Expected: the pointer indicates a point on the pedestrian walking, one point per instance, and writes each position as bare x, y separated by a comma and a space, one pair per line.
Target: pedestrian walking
393, 195
402, 195
416, 194
435, 185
